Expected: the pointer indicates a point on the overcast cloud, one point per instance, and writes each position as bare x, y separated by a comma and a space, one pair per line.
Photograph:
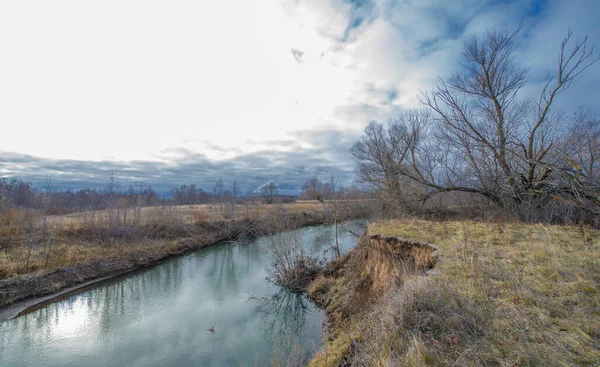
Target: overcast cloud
184, 92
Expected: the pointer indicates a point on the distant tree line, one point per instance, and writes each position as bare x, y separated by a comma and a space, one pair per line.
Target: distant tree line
18, 193
316, 189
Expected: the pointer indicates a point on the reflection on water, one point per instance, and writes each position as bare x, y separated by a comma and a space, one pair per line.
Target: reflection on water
160, 316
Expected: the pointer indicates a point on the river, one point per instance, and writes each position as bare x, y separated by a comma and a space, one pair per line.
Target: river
164, 316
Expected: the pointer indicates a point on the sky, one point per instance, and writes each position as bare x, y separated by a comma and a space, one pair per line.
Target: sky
182, 92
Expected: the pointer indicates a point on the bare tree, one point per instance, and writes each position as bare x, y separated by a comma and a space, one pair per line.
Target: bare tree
226, 198
46, 203
220, 193
500, 145
249, 202
582, 145
135, 197
335, 213
111, 192
32, 230
393, 158
577, 177
314, 189
269, 191
234, 192
483, 136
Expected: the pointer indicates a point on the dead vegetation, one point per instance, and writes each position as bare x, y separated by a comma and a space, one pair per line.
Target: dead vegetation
53, 241
500, 295
40, 254
293, 266
351, 285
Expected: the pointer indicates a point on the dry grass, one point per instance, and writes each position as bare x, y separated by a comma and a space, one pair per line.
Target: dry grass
78, 238
181, 214
41, 255
63, 254
501, 295
351, 286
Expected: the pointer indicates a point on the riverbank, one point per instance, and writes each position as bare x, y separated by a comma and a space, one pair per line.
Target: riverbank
499, 294
215, 306
91, 260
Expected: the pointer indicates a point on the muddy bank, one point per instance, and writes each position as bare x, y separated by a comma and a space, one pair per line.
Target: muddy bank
16, 291
24, 291
349, 286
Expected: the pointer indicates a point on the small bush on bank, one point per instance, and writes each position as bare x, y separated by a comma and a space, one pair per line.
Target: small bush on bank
293, 266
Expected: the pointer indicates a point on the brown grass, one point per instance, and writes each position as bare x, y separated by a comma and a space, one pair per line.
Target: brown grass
64, 254
351, 285
500, 295
88, 236
70, 249
181, 214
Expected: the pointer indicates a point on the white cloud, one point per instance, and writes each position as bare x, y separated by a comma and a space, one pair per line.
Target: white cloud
156, 81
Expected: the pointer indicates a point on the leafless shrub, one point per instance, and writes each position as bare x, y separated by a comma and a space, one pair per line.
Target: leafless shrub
293, 266
201, 216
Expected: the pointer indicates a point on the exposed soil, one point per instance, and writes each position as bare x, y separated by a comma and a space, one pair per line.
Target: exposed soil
349, 285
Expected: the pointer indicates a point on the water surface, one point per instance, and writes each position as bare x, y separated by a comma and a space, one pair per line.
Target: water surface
160, 316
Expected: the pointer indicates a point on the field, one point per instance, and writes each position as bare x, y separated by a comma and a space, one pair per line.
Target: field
500, 294
42, 254
79, 237
494, 294
182, 214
